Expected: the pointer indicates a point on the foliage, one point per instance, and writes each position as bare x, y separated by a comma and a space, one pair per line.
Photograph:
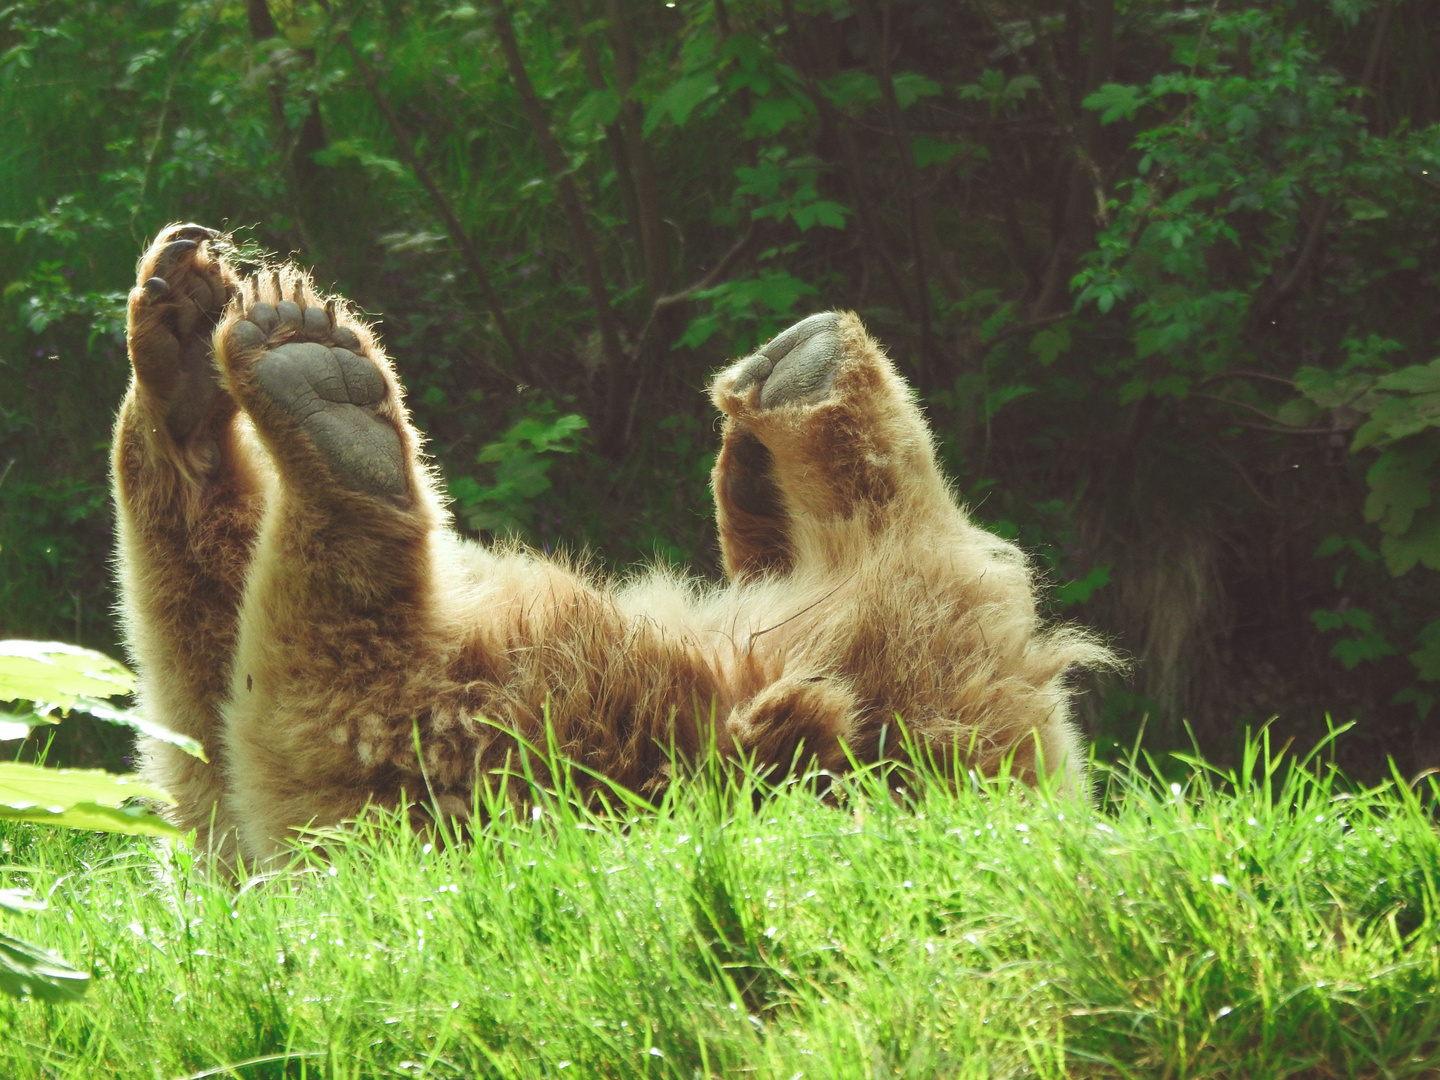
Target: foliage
1266, 922
1263, 193
521, 461
42, 678
1240, 196
27, 971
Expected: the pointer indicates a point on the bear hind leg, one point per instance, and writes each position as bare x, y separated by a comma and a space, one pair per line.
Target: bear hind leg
820, 431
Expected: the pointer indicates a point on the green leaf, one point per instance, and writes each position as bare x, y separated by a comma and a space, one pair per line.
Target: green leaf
997, 399
1115, 102
596, 110
910, 87
823, 212
1048, 344
1367, 643
80, 798
1427, 657
29, 971
1365, 210
1301, 412
127, 820
1419, 379
1081, 589
1419, 544
136, 721
67, 677
772, 115
1394, 418
679, 100
852, 88
1399, 486
931, 151
56, 673
17, 725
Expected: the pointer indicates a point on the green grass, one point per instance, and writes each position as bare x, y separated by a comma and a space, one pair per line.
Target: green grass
1273, 923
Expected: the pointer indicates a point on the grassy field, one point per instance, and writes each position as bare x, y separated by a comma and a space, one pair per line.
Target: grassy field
1272, 923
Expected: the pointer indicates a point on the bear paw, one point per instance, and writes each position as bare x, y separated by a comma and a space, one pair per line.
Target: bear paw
838, 433
797, 366
315, 383
184, 285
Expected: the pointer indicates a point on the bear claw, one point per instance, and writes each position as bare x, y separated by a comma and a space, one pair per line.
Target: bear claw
167, 258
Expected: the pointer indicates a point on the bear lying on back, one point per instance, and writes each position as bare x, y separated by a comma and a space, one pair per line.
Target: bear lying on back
295, 598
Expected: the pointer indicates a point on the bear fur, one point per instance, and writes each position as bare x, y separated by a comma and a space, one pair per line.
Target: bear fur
295, 598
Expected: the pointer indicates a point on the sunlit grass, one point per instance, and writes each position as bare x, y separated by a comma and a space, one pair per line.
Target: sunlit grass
1272, 923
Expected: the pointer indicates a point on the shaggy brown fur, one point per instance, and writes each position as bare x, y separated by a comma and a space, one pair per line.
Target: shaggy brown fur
295, 597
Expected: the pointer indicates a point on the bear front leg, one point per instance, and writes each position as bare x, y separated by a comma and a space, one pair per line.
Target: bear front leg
340, 648
187, 490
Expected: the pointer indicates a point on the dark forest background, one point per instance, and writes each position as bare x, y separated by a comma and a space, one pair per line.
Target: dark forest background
1166, 275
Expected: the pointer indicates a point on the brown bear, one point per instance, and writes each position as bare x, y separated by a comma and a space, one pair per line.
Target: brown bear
295, 598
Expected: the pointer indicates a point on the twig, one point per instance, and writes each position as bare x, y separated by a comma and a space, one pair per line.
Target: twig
1241, 373
1245, 476
718, 271
1282, 426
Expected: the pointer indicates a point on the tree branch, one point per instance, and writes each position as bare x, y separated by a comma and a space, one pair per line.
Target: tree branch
879, 48
718, 271
469, 253
649, 209
611, 430
839, 123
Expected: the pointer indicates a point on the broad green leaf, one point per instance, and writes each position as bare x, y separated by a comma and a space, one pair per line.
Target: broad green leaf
1365, 210
1394, 418
1331, 391
1420, 544
596, 110
997, 399
852, 88
772, 115
80, 799
29, 971
134, 719
1419, 379
1048, 344
678, 100
58, 674
1115, 102
1427, 661
1301, 412
823, 212
17, 725
1399, 486
26, 787
128, 820
931, 151
1081, 589
910, 87
67, 677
